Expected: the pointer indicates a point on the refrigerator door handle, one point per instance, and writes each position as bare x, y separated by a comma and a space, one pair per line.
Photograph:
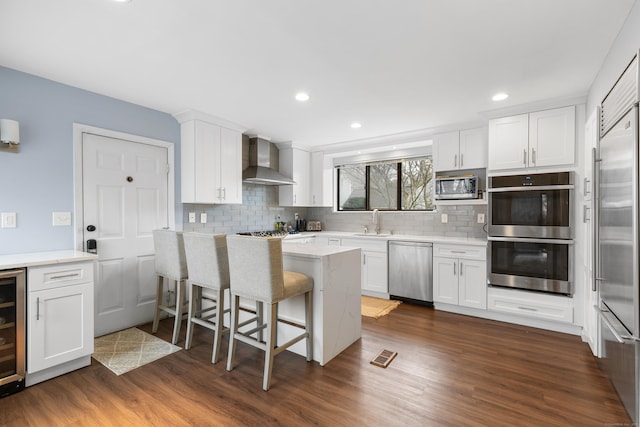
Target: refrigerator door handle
619, 332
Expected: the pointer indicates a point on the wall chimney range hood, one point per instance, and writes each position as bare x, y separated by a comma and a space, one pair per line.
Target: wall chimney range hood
263, 161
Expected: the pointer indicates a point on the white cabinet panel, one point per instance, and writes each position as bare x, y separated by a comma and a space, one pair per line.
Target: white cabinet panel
538, 139
60, 326
211, 163
374, 272
460, 275
296, 164
321, 180
509, 142
472, 284
446, 151
473, 148
445, 280
552, 137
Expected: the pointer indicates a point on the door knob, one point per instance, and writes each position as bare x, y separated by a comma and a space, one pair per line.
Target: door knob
91, 228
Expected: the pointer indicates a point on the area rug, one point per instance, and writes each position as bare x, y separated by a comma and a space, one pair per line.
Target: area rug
129, 349
377, 307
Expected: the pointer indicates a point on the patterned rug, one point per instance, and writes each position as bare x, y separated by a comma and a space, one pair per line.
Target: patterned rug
131, 348
377, 307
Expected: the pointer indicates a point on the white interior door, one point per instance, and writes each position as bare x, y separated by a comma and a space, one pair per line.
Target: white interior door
124, 189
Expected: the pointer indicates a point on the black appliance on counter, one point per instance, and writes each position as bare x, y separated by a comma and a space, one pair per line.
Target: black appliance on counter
531, 232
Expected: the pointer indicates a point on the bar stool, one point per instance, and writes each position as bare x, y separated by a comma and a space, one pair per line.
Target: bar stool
171, 264
256, 272
208, 265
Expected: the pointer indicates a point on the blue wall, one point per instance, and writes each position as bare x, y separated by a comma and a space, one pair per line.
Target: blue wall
39, 179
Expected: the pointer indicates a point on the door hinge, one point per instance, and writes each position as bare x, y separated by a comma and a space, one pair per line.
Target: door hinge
168, 167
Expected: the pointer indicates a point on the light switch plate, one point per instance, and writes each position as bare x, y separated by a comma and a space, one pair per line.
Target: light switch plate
9, 220
192, 217
203, 218
444, 218
61, 219
480, 218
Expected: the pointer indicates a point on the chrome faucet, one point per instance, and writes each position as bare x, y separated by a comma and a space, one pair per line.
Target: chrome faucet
375, 220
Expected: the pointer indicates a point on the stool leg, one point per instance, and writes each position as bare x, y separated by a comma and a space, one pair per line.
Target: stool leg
260, 319
191, 314
308, 313
159, 292
179, 307
272, 327
219, 323
233, 327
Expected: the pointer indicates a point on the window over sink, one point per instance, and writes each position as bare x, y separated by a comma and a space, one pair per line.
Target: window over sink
395, 185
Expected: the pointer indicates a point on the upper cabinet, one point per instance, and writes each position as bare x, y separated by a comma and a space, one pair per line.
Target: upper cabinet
539, 139
466, 149
321, 180
296, 164
211, 159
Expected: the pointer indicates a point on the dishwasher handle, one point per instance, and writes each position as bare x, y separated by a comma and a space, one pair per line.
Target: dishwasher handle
405, 243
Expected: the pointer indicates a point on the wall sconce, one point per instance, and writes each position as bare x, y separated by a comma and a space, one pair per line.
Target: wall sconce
9, 135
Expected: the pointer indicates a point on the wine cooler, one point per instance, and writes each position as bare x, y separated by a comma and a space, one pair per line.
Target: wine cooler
12, 331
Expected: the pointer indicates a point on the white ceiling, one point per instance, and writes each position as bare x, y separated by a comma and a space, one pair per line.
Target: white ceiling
396, 66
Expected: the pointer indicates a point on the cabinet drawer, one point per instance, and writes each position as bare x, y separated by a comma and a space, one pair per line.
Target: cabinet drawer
531, 304
54, 276
376, 244
463, 252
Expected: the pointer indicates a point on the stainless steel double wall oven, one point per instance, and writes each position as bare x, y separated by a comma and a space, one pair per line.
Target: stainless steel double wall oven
530, 227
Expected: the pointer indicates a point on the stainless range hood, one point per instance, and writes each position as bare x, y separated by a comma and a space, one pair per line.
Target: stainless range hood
263, 161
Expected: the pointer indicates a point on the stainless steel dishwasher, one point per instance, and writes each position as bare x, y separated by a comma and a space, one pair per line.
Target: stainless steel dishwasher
410, 270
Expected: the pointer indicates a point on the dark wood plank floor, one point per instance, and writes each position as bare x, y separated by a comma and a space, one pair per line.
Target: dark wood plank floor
450, 370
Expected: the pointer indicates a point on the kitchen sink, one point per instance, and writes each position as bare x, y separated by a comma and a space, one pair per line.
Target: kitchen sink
372, 235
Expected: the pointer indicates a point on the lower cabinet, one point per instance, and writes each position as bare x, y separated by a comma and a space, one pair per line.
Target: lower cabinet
374, 264
459, 276
59, 319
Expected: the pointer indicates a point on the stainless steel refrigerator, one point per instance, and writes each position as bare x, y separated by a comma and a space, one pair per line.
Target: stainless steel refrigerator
617, 264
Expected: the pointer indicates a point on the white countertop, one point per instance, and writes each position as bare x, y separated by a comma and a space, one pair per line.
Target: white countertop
33, 259
402, 237
312, 251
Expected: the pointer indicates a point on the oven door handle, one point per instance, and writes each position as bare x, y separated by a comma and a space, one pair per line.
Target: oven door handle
619, 332
530, 240
532, 188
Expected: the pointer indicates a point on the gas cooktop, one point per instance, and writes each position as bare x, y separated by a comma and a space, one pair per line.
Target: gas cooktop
266, 233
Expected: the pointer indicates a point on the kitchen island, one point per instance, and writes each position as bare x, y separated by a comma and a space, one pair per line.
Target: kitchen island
336, 298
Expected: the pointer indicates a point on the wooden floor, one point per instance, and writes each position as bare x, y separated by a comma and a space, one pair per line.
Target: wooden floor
451, 370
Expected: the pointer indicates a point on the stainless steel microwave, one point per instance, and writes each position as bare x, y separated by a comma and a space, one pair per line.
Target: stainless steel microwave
456, 187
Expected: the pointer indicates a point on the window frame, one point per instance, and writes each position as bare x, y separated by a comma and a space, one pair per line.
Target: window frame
399, 198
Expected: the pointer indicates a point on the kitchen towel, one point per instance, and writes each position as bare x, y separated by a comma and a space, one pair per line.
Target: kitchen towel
129, 349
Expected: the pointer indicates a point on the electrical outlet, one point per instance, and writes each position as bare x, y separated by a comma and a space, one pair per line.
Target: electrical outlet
203, 218
480, 218
8, 220
61, 218
444, 218
192, 217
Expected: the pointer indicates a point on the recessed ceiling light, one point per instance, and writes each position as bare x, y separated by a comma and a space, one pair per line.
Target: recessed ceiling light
500, 96
301, 96
355, 125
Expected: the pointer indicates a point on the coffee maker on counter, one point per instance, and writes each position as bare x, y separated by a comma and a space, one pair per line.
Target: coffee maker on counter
300, 224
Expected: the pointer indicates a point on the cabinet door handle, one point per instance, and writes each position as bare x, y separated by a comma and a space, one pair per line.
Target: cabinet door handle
65, 276
455, 160
461, 267
585, 217
533, 156
314, 199
295, 198
586, 186
38, 308
461, 159
527, 308
524, 159
364, 259
454, 268
224, 193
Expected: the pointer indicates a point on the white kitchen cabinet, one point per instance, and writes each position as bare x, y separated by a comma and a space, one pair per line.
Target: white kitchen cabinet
459, 276
211, 163
60, 318
555, 308
465, 149
296, 164
321, 180
374, 260
538, 139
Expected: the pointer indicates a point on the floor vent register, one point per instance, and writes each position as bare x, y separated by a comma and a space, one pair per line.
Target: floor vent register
384, 358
